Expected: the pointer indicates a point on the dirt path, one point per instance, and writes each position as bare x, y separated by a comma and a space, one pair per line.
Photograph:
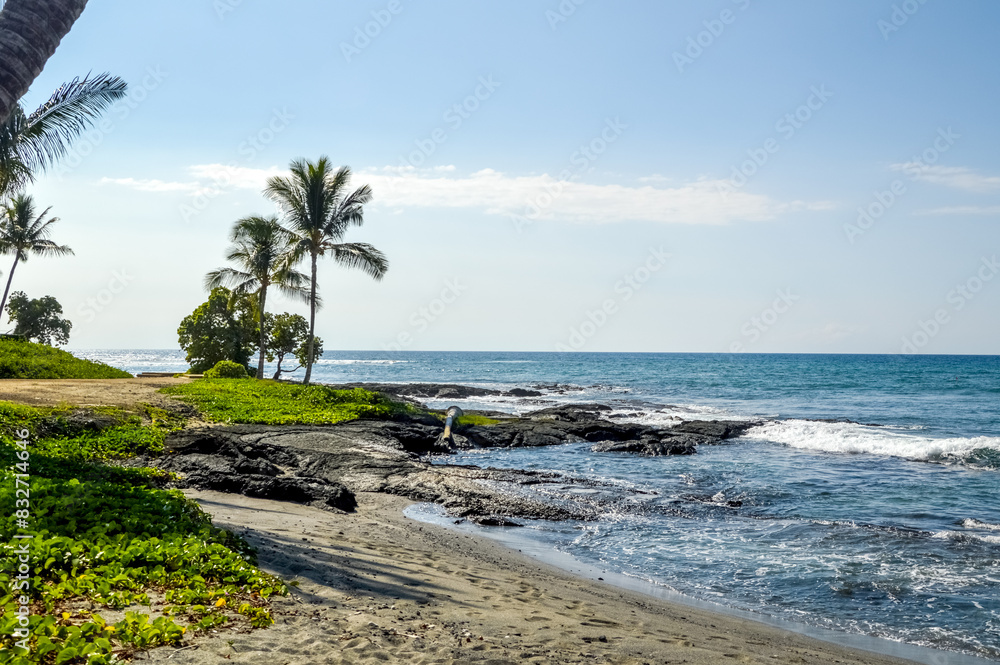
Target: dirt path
125, 393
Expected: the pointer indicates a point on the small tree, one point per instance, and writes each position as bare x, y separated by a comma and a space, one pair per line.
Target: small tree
222, 328
263, 253
38, 319
23, 233
289, 335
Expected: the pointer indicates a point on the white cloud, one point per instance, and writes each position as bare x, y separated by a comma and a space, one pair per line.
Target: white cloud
543, 197
208, 177
152, 185
956, 177
237, 177
962, 210
535, 197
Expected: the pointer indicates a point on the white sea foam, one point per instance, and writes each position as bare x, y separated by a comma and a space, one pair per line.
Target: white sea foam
352, 361
670, 414
973, 523
964, 535
854, 438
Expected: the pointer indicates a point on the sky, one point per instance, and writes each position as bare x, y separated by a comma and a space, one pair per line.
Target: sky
682, 176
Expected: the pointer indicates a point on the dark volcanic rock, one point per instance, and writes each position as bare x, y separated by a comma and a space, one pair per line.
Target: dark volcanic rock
574, 423
649, 448
715, 429
326, 466
215, 460
426, 390
411, 391
494, 520
521, 392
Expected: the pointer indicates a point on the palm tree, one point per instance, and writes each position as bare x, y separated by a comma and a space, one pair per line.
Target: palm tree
30, 31
33, 142
24, 234
264, 252
319, 209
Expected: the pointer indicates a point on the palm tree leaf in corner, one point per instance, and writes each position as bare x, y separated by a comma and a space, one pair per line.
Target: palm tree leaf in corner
71, 109
30, 143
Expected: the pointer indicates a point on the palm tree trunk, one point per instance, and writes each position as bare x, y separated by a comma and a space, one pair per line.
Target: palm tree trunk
312, 322
30, 31
263, 334
10, 278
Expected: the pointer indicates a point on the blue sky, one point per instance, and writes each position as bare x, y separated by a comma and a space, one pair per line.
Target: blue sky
595, 176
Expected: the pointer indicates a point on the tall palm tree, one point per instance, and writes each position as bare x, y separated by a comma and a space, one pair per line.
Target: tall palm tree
35, 141
319, 209
30, 31
24, 234
264, 252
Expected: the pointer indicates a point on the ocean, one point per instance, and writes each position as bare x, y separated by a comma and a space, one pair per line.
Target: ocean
867, 502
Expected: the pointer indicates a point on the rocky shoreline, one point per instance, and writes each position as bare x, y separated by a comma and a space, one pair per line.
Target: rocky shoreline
326, 466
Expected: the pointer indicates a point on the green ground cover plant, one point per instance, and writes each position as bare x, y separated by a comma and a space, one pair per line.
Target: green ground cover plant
273, 403
107, 538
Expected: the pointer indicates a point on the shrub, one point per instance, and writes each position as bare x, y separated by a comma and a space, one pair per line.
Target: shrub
227, 369
222, 328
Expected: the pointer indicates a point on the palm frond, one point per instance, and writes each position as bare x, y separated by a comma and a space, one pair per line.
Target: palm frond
14, 173
47, 248
292, 283
74, 107
360, 256
228, 277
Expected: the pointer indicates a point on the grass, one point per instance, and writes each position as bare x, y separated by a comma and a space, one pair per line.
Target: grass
106, 537
273, 403
27, 360
473, 420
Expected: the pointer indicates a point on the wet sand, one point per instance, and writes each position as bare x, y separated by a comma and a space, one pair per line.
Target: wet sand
377, 587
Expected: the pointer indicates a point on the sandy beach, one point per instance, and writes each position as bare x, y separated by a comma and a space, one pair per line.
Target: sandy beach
377, 587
